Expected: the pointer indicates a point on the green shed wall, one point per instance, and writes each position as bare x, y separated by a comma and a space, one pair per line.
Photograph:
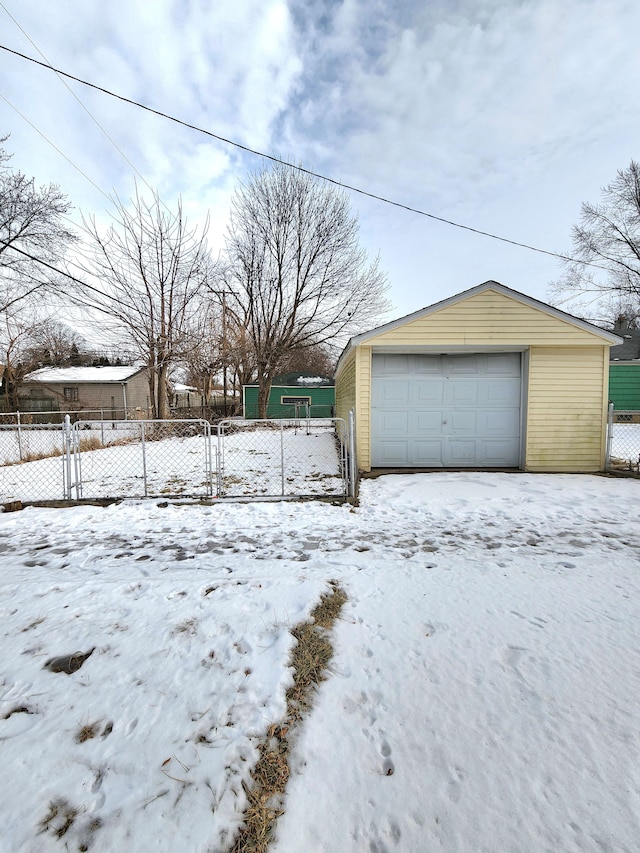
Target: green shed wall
624, 386
323, 401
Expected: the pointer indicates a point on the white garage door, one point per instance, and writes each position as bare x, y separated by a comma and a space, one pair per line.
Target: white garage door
430, 411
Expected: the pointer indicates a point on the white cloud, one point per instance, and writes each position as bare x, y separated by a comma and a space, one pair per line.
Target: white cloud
501, 114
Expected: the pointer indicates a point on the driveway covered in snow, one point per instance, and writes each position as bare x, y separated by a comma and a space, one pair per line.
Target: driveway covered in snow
484, 693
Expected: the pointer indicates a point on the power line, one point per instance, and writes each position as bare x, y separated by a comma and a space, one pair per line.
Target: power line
51, 267
84, 107
298, 168
55, 147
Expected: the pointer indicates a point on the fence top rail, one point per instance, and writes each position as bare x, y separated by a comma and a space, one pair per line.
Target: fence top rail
275, 422
27, 427
135, 423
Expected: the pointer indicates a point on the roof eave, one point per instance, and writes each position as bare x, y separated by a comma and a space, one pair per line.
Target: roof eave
466, 294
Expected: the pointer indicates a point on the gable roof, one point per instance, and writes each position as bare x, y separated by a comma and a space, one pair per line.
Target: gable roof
83, 374
629, 349
495, 286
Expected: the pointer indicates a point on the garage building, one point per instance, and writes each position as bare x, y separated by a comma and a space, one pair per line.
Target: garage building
489, 378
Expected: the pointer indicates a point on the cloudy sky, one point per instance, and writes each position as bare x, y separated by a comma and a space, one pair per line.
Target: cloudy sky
503, 115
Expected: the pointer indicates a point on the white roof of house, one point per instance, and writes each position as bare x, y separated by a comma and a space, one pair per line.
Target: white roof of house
82, 374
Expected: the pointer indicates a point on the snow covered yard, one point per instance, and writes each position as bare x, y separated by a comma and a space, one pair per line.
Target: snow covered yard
484, 694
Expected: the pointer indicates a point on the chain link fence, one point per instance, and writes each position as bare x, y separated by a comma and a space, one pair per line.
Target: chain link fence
623, 440
103, 459
284, 458
32, 462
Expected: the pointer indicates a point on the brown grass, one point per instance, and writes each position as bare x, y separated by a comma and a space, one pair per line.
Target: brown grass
309, 660
60, 818
87, 732
91, 442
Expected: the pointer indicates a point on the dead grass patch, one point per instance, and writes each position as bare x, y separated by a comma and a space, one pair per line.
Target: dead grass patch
87, 731
309, 660
59, 819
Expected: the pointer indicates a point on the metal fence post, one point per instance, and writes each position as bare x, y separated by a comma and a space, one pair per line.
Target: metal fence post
144, 458
67, 458
207, 456
77, 461
19, 436
220, 459
607, 460
353, 467
282, 454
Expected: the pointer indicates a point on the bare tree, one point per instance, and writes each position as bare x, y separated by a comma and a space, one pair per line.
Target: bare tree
29, 339
310, 361
149, 270
606, 248
204, 361
296, 272
31, 227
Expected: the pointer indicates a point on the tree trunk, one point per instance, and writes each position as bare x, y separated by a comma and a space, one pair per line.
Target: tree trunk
163, 399
264, 389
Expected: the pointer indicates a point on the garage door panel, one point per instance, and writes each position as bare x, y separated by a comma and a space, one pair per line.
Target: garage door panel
464, 422
392, 393
391, 423
393, 453
463, 392
384, 365
427, 364
450, 410
461, 453
463, 365
502, 422
424, 423
503, 364
493, 392
429, 393
427, 454
498, 452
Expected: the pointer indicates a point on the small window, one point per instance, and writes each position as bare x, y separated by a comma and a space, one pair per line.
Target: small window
71, 395
295, 401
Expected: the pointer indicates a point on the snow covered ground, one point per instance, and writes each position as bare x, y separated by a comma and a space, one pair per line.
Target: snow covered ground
484, 694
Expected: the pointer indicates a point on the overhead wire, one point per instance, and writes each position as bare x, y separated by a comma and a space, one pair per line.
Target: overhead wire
299, 168
54, 146
85, 108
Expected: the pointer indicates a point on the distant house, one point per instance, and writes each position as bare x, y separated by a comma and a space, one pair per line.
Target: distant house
108, 389
624, 371
290, 401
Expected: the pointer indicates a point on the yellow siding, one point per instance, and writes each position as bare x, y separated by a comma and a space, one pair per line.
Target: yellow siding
487, 319
363, 413
567, 396
346, 388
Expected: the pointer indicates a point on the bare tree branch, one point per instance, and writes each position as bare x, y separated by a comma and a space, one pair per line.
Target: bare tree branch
296, 274
150, 271
609, 234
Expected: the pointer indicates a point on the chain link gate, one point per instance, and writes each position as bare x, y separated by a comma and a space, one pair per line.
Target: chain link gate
284, 458
623, 440
32, 462
140, 458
